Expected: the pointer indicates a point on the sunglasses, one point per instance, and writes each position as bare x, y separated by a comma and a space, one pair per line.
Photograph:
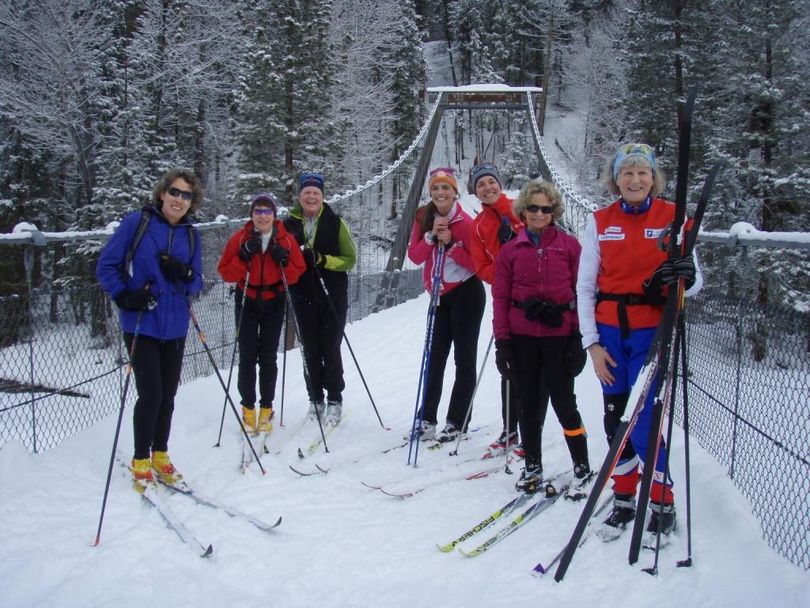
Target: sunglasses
547, 209
177, 193
264, 211
642, 149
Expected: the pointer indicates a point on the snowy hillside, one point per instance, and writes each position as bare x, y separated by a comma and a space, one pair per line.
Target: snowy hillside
340, 543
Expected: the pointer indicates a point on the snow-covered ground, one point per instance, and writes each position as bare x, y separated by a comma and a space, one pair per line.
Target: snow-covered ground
342, 544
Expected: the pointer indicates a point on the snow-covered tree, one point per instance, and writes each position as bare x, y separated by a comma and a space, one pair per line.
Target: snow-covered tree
284, 122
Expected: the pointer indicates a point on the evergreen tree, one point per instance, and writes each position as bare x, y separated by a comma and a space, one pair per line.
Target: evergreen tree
283, 127
407, 87
764, 132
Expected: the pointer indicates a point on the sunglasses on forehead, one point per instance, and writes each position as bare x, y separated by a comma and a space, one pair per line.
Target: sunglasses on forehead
177, 193
263, 211
547, 209
642, 149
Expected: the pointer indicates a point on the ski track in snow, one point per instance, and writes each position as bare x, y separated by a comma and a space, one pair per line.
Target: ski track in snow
342, 544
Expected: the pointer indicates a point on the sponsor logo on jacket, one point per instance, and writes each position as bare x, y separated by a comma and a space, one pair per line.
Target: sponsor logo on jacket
612, 233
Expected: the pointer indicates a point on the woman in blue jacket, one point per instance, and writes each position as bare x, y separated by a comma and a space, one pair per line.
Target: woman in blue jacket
151, 267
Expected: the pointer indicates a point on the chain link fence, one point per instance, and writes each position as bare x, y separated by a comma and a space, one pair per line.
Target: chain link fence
751, 410
62, 366
62, 360
749, 406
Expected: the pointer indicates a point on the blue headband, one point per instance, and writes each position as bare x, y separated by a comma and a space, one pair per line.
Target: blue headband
631, 152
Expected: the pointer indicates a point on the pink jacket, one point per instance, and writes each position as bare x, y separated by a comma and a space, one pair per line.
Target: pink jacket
547, 271
458, 265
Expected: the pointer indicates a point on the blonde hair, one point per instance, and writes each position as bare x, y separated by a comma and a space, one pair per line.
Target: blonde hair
659, 178
532, 188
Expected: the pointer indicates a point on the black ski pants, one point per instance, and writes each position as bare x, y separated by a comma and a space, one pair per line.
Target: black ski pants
321, 324
259, 333
156, 365
541, 371
457, 323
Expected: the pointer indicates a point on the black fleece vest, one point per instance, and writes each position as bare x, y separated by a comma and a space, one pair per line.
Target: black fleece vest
326, 243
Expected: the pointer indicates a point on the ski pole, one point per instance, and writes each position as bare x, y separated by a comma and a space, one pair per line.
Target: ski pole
284, 361
506, 468
233, 354
307, 379
668, 408
207, 349
348, 344
685, 563
127, 377
421, 391
472, 397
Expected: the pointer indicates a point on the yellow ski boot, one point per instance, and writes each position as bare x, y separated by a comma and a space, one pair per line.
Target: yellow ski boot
265, 419
166, 473
249, 419
141, 474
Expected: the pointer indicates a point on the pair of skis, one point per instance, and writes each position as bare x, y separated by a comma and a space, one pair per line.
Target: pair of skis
152, 496
659, 362
552, 491
390, 490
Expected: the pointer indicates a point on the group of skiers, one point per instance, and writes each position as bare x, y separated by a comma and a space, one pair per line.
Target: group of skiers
152, 269
554, 298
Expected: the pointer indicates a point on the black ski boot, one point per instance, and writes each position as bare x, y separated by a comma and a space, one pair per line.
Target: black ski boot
663, 515
624, 512
531, 478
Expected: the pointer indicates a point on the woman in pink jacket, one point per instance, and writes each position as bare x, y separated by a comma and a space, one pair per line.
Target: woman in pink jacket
537, 337
442, 223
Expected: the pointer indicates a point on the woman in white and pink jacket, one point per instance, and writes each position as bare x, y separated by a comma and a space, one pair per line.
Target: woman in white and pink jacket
442, 223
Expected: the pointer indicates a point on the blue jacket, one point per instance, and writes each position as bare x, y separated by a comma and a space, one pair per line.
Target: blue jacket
169, 319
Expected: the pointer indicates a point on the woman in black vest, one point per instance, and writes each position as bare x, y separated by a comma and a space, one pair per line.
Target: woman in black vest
321, 307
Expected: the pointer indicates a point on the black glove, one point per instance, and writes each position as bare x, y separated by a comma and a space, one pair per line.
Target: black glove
504, 360
505, 233
669, 272
175, 270
683, 268
135, 299
575, 355
280, 255
249, 248
313, 258
543, 311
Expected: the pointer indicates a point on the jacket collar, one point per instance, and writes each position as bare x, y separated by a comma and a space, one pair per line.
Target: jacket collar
543, 239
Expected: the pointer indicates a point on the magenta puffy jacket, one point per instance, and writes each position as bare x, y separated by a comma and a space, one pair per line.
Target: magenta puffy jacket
547, 271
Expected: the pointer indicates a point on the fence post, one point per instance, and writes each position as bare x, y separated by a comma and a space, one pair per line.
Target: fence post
738, 377
28, 263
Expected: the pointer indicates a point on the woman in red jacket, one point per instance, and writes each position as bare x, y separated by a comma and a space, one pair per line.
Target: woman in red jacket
622, 284
537, 342
254, 259
443, 223
492, 228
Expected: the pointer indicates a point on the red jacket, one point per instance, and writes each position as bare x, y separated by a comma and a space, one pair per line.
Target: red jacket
548, 271
265, 274
485, 246
629, 254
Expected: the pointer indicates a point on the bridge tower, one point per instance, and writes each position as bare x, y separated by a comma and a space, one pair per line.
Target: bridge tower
470, 97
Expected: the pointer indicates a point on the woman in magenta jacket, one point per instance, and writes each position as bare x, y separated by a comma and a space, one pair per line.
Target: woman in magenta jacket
443, 223
536, 328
